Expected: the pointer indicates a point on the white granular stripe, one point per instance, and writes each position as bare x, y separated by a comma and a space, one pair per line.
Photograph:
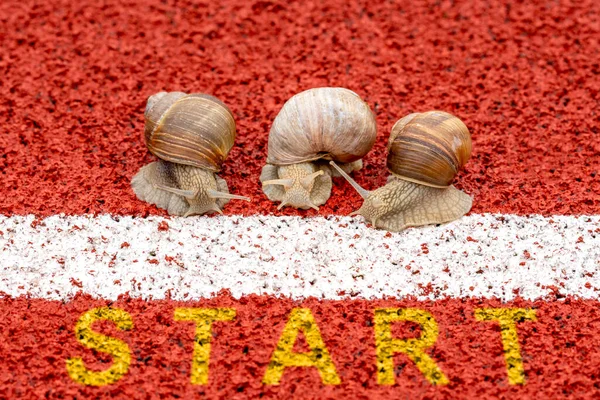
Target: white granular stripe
490, 256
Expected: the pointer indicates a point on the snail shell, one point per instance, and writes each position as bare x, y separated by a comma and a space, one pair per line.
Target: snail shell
190, 129
313, 126
322, 123
191, 135
428, 148
425, 151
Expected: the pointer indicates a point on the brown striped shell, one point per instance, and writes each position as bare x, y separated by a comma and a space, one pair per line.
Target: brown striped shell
429, 148
191, 129
322, 123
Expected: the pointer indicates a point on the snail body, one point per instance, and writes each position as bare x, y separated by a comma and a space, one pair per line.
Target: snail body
425, 152
191, 135
312, 128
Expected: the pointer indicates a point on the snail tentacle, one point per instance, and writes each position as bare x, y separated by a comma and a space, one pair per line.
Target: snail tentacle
189, 194
221, 195
363, 192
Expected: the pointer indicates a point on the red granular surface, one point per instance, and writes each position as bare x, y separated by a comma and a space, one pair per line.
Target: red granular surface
75, 76
560, 351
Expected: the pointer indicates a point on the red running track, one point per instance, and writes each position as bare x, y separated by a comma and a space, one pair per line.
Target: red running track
74, 79
560, 351
525, 77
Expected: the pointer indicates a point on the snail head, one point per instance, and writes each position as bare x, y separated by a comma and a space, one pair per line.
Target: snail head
299, 182
375, 204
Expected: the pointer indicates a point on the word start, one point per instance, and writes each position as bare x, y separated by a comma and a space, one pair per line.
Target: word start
283, 356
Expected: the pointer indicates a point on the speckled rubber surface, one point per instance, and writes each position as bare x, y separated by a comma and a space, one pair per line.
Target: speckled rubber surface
76, 75
100, 292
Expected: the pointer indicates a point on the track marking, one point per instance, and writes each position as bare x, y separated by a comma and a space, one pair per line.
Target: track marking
490, 256
118, 349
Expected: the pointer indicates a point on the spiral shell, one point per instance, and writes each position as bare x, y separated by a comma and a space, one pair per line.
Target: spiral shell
191, 129
429, 148
322, 123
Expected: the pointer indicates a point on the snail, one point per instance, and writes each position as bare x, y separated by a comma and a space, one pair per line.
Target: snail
191, 134
313, 127
425, 152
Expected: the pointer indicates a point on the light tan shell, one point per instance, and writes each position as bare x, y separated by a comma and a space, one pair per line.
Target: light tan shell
429, 148
322, 123
190, 129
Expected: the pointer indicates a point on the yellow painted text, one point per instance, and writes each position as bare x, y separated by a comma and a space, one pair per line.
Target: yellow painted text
386, 346
118, 349
204, 318
301, 319
507, 318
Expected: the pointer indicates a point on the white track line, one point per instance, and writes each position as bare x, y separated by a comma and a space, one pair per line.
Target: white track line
490, 256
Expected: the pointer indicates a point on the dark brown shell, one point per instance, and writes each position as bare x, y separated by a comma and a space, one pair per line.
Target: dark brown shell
191, 129
429, 148
322, 123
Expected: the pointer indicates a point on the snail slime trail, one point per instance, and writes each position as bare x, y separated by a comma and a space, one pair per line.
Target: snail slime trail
191, 135
312, 128
425, 152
